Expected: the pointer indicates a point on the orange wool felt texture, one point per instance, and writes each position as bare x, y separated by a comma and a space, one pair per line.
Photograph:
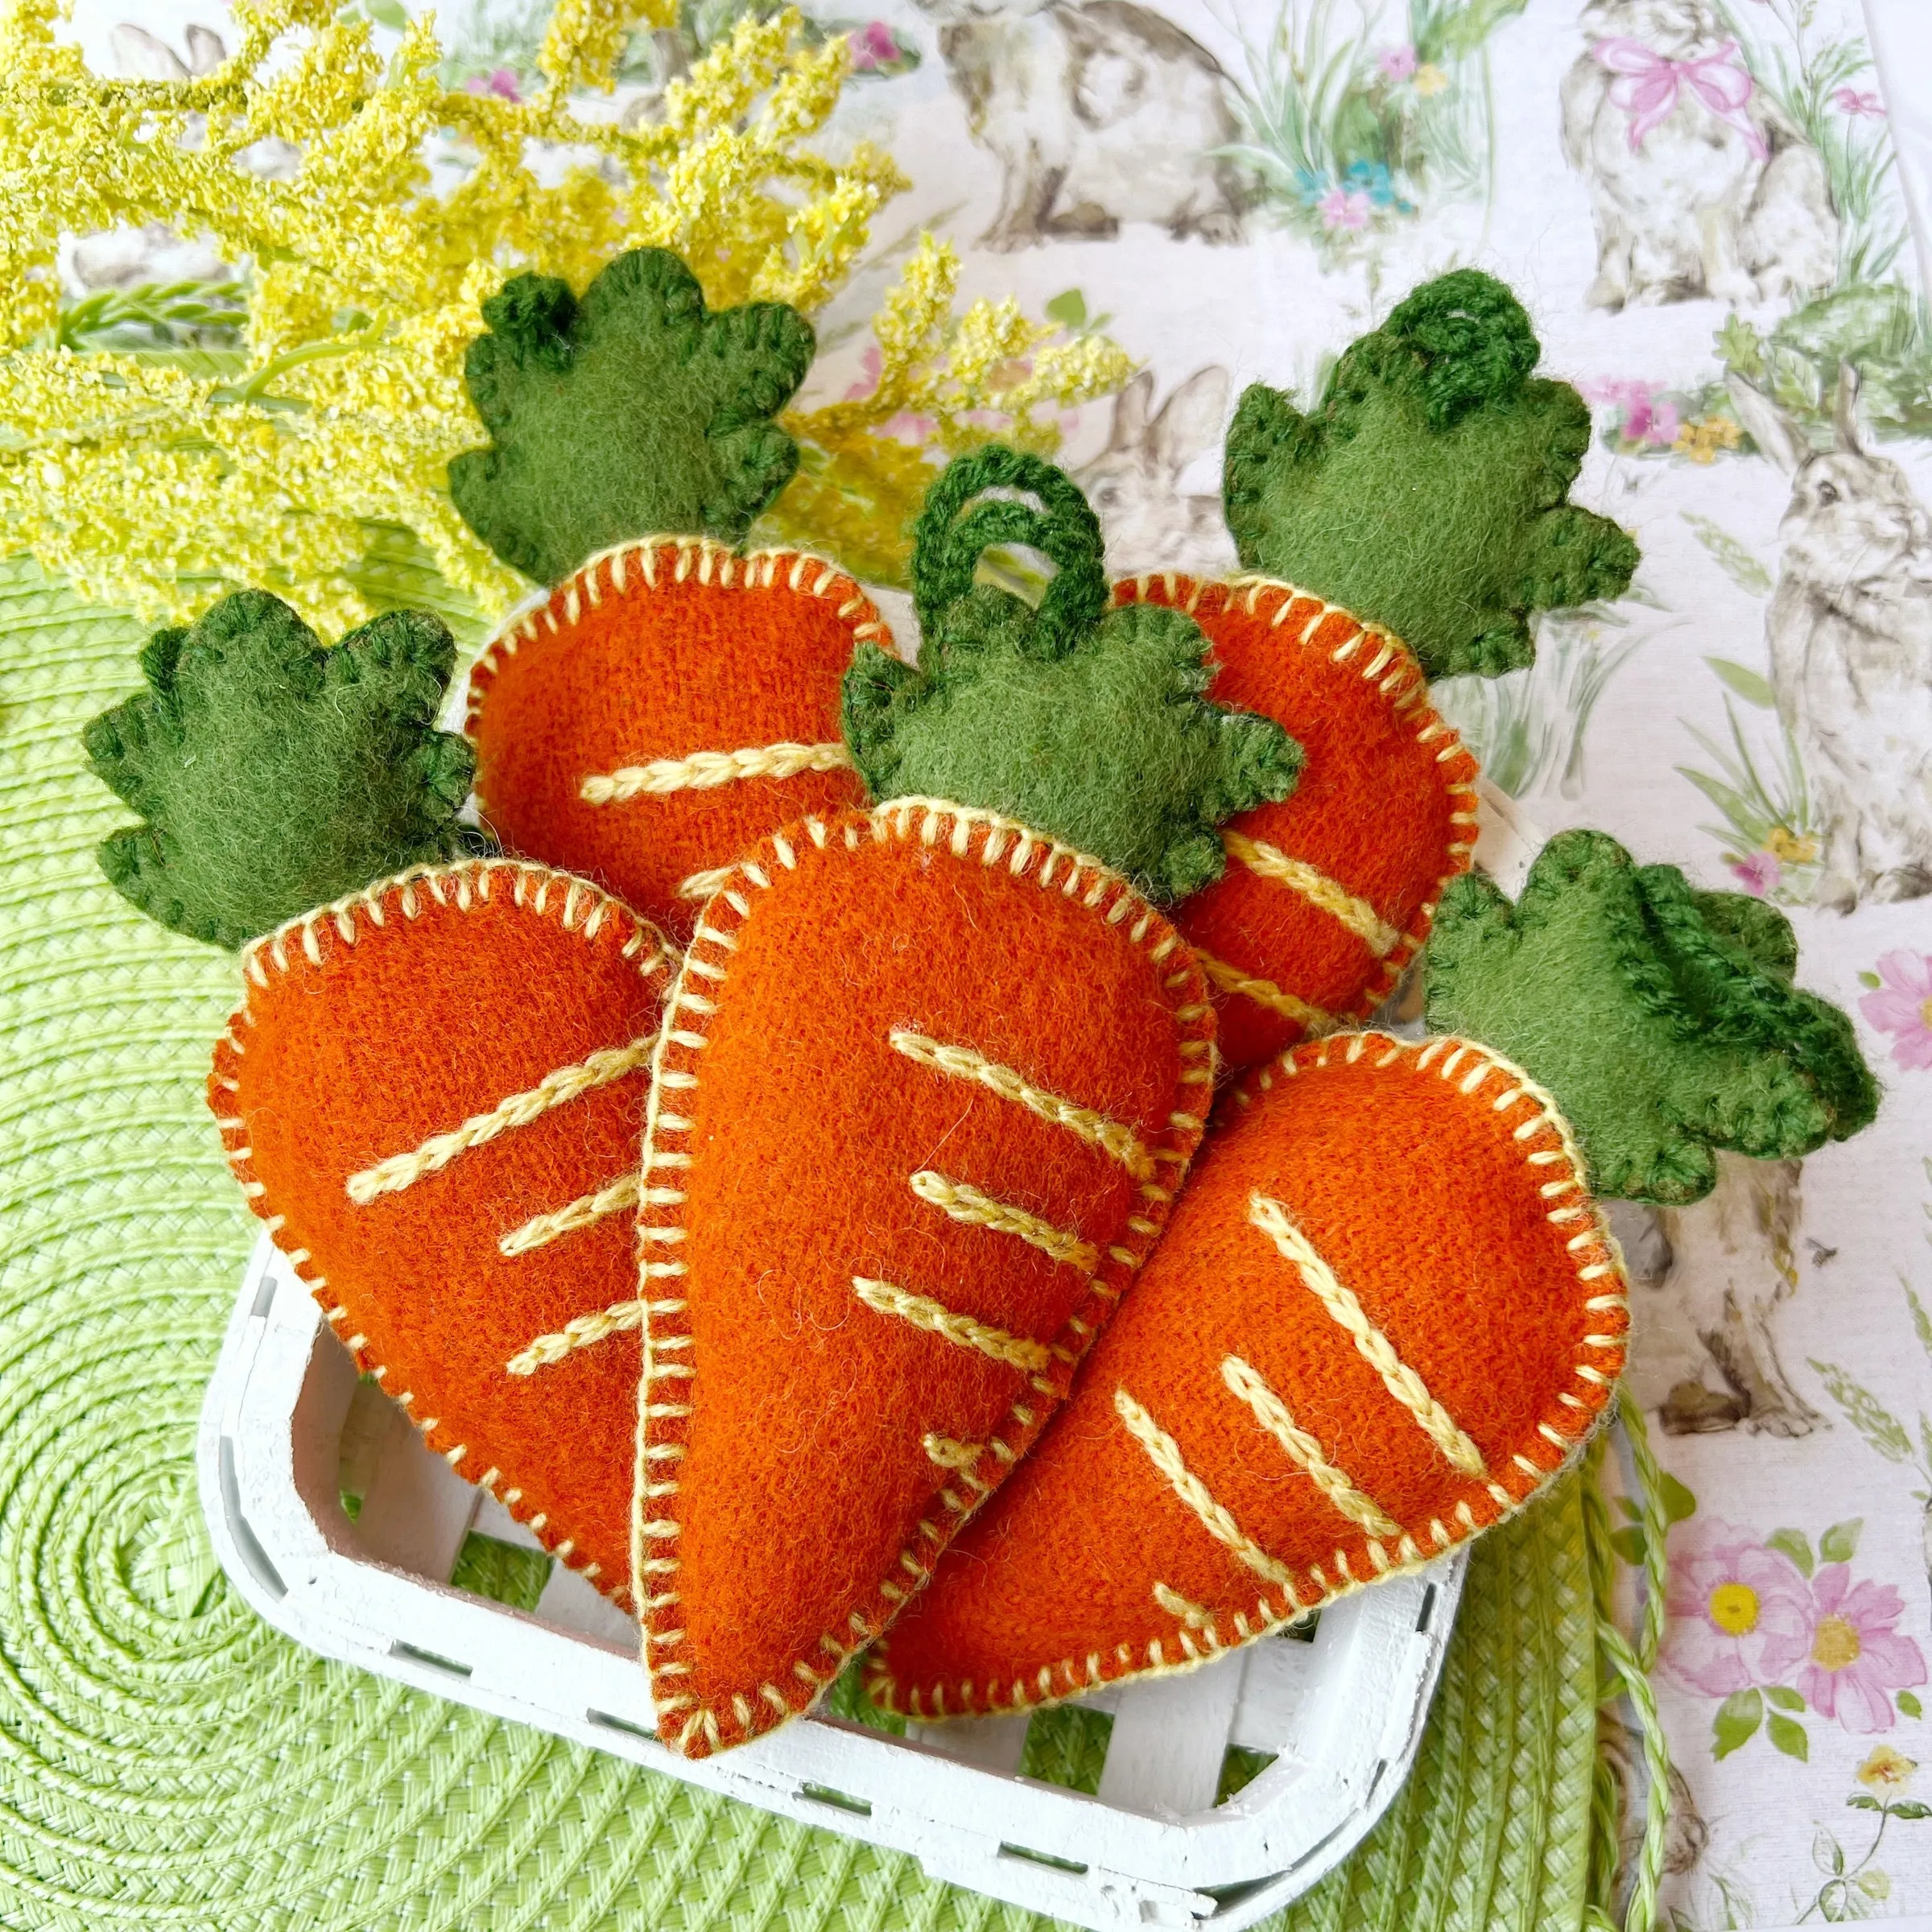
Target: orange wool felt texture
433, 1092
928, 1086
1385, 1314
664, 709
1330, 893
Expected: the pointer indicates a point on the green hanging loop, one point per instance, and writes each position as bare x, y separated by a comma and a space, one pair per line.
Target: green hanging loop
953, 531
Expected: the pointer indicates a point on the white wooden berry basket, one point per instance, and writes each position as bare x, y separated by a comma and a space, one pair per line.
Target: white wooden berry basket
1341, 1714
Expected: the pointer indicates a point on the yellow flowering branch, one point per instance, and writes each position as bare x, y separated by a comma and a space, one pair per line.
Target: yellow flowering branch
310, 457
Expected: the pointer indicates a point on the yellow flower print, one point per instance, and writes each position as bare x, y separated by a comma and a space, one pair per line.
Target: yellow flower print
1886, 1769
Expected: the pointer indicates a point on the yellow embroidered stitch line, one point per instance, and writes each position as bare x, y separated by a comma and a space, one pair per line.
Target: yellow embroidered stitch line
951, 1454
586, 1208
1165, 1453
966, 1204
1398, 1378
1329, 895
1274, 1415
1015, 1351
1190, 1612
557, 1088
582, 1332
1111, 1136
1265, 992
703, 770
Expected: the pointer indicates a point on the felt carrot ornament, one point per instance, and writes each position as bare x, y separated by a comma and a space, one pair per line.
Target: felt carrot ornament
432, 1090
1385, 1314
929, 1083
671, 701
1329, 892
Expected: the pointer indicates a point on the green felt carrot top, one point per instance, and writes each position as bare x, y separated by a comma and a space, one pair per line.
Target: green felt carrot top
1663, 1019
634, 412
1428, 491
272, 775
1086, 724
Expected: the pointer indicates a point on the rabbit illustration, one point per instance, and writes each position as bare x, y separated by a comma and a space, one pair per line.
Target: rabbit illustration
1851, 635
140, 55
1702, 184
1134, 483
1708, 1278
1099, 112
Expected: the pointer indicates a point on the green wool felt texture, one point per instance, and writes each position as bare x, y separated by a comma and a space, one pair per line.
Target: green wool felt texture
635, 412
1662, 1018
1428, 490
1085, 724
273, 774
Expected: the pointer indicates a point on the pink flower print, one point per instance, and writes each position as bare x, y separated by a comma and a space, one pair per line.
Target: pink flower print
1902, 1006
1851, 1659
1343, 208
1397, 63
1652, 420
1731, 1599
1849, 101
501, 81
1759, 872
872, 47
870, 364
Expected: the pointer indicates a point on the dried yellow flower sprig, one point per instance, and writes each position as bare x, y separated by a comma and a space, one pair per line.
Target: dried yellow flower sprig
947, 384
294, 460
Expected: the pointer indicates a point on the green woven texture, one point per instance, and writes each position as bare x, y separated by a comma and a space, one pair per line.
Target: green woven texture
167, 1761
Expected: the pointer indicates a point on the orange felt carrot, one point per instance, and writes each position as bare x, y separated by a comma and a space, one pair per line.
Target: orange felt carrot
1329, 892
432, 1092
928, 1084
1385, 1314
666, 707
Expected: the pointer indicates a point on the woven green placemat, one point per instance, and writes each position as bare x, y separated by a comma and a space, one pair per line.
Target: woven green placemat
167, 1761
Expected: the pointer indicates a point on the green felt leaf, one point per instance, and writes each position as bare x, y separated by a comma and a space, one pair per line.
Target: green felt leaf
1427, 489
1784, 1697
1736, 1722
273, 775
635, 412
1789, 1737
1085, 723
1662, 1018
1839, 1543
1794, 1544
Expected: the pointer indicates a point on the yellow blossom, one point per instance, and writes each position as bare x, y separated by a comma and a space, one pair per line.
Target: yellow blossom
309, 456
1886, 1769
1789, 848
1703, 436
1430, 79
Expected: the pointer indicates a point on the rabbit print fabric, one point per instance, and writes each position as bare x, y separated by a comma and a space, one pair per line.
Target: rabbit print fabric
1701, 203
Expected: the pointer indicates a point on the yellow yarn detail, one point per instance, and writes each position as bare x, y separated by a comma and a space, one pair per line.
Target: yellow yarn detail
1357, 915
1273, 1413
1111, 1136
1015, 1351
621, 1194
556, 1088
968, 1205
1398, 1378
702, 770
1218, 1520
1265, 992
